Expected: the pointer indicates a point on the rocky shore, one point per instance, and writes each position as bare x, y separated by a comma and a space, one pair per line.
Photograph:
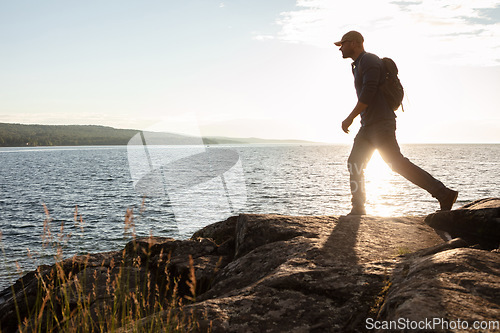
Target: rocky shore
275, 273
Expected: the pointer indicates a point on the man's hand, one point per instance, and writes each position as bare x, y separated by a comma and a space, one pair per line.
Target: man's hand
360, 106
346, 123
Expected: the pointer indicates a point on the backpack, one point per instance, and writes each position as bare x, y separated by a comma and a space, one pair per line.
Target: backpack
391, 87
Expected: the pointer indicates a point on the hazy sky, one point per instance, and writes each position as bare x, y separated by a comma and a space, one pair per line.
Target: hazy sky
261, 68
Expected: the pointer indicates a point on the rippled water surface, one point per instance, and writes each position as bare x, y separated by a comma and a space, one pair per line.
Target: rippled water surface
88, 190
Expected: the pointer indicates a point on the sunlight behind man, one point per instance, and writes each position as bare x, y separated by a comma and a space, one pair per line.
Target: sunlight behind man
379, 180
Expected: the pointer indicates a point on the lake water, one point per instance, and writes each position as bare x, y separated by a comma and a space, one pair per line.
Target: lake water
77, 197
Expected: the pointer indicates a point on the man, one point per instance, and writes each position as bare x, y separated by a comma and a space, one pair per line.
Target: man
378, 129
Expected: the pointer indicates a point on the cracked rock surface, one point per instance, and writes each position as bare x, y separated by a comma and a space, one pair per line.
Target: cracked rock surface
275, 273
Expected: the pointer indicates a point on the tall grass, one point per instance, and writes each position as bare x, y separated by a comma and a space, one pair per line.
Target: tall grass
126, 291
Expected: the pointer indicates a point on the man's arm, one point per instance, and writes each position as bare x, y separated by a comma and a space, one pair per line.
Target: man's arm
360, 106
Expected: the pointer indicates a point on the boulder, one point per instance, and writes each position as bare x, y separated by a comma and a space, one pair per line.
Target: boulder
477, 222
448, 289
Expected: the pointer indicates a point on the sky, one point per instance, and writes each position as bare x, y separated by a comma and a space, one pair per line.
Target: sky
257, 68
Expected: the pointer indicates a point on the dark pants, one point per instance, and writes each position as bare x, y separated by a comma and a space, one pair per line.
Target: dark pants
382, 136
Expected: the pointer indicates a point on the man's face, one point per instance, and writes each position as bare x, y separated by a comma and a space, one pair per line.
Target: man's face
347, 49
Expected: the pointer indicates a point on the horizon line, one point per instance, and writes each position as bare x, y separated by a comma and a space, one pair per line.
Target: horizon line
222, 136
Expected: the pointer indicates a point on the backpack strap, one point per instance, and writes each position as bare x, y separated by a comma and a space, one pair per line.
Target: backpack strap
359, 65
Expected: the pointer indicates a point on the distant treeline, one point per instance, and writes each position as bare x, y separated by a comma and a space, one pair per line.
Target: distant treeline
17, 135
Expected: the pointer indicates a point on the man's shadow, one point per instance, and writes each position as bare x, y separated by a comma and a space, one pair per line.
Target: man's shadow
341, 244
351, 287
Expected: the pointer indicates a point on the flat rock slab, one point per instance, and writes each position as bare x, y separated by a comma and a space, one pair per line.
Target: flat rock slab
306, 273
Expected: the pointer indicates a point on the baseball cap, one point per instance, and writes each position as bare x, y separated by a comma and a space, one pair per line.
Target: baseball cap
351, 36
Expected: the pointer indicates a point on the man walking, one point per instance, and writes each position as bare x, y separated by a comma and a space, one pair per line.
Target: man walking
378, 129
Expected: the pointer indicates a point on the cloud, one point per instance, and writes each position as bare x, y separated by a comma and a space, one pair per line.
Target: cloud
263, 37
456, 32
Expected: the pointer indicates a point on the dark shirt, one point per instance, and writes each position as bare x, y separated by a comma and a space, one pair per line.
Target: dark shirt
367, 77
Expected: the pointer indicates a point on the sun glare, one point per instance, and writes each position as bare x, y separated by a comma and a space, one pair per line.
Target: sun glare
378, 177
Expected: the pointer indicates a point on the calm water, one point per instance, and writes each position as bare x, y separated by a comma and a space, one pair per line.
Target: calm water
292, 180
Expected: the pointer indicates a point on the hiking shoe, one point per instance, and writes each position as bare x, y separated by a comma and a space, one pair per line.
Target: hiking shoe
357, 211
448, 199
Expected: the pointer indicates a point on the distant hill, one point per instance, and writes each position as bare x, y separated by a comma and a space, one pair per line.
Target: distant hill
19, 135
